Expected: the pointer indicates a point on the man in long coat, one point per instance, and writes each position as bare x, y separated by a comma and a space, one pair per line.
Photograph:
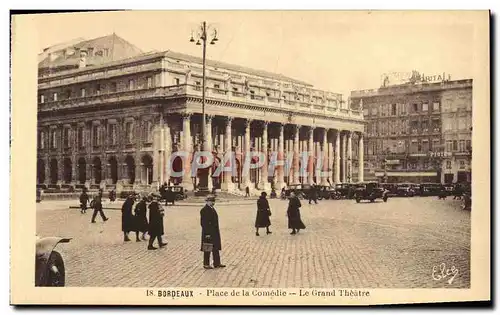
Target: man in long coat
84, 199
141, 220
210, 233
294, 221
97, 205
155, 227
127, 217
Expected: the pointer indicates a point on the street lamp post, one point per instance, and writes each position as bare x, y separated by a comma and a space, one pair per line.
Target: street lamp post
202, 40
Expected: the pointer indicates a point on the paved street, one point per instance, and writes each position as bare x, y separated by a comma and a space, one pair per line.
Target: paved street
346, 245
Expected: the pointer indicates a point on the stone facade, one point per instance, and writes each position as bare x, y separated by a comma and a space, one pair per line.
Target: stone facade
121, 122
418, 132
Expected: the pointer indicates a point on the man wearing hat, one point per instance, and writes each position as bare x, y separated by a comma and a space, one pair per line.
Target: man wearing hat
155, 226
210, 233
97, 205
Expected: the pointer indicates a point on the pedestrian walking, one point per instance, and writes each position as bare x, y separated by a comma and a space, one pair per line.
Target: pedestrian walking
97, 205
313, 194
210, 234
155, 226
128, 217
112, 195
247, 192
294, 221
84, 199
263, 214
141, 220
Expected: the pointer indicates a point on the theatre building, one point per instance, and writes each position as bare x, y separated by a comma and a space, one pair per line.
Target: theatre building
110, 115
418, 131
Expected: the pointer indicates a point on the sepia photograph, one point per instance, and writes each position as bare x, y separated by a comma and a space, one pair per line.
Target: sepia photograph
250, 157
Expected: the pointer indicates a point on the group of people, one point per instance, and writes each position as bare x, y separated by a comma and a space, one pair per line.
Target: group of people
95, 203
135, 219
263, 219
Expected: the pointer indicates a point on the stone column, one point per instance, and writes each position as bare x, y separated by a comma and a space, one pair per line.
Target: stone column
344, 158
330, 161
187, 146
280, 182
296, 157
228, 185
208, 148
310, 149
361, 158
324, 156
246, 147
264, 171
349, 157
167, 153
337, 157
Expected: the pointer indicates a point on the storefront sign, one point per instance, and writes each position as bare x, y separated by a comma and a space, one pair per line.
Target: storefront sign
396, 78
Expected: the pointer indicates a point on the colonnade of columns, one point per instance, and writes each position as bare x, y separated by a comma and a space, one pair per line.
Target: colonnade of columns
329, 151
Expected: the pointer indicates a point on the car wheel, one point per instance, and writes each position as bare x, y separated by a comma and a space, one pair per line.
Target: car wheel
358, 200
385, 199
372, 200
55, 272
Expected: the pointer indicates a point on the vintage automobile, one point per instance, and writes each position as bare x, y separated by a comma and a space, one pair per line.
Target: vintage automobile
326, 192
448, 189
345, 190
171, 194
430, 189
390, 188
405, 190
297, 189
49, 264
369, 191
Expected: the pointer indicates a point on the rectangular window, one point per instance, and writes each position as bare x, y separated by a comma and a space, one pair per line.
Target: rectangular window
436, 144
403, 109
415, 108
455, 145
112, 134
90, 50
53, 139
55, 96
98, 89
113, 87
131, 84
425, 107
41, 140
425, 126
66, 137
468, 146
425, 145
42, 98
449, 146
82, 92
435, 106
462, 125
462, 164
448, 165
177, 81
106, 52
128, 131
95, 136
414, 146
393, 109
366, 111
461, 146
80, 137
150, 82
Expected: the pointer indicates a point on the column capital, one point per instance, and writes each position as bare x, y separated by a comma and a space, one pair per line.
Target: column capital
247, 122
228, 119
186, 115
209, 118
265, 123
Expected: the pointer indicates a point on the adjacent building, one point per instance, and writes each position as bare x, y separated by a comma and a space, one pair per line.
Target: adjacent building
110, 115
418, 130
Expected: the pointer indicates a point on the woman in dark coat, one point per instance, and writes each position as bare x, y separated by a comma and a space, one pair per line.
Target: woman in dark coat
127, 217
155, 226
263, 214
141, 220
293, 212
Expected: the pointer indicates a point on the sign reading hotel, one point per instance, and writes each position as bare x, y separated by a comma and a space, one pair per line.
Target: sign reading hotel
397, 78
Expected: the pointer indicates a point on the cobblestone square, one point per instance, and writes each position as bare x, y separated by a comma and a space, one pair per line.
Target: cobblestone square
399, 244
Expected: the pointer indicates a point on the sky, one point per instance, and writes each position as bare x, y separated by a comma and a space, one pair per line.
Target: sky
332, 50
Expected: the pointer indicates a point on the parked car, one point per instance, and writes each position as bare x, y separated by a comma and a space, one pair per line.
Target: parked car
346, 190
405, 190
390, 188
49, 264
326, 192
297, 189
171, 194
370, 191
430, 189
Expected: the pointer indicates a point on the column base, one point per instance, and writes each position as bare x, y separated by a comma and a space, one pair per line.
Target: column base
280, 185
227, 187
265, 187
187, 186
